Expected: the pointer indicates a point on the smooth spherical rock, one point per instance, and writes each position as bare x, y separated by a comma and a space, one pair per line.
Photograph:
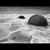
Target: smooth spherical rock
21, 17
38, 20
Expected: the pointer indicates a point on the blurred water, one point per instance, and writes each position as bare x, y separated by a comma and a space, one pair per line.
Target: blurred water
44, 31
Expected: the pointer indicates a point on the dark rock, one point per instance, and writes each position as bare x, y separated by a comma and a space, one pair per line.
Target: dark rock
21, 17
38, 20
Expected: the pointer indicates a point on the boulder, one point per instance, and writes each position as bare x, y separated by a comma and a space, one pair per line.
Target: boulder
38, 20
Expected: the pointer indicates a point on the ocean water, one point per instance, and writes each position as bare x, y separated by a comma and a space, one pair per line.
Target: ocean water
42, 31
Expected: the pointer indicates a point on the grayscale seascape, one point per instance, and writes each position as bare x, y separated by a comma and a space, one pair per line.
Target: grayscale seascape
15, 30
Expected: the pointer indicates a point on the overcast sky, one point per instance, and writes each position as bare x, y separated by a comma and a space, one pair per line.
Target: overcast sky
43, 10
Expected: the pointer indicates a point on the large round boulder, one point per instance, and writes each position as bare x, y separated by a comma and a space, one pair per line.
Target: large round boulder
38, 20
